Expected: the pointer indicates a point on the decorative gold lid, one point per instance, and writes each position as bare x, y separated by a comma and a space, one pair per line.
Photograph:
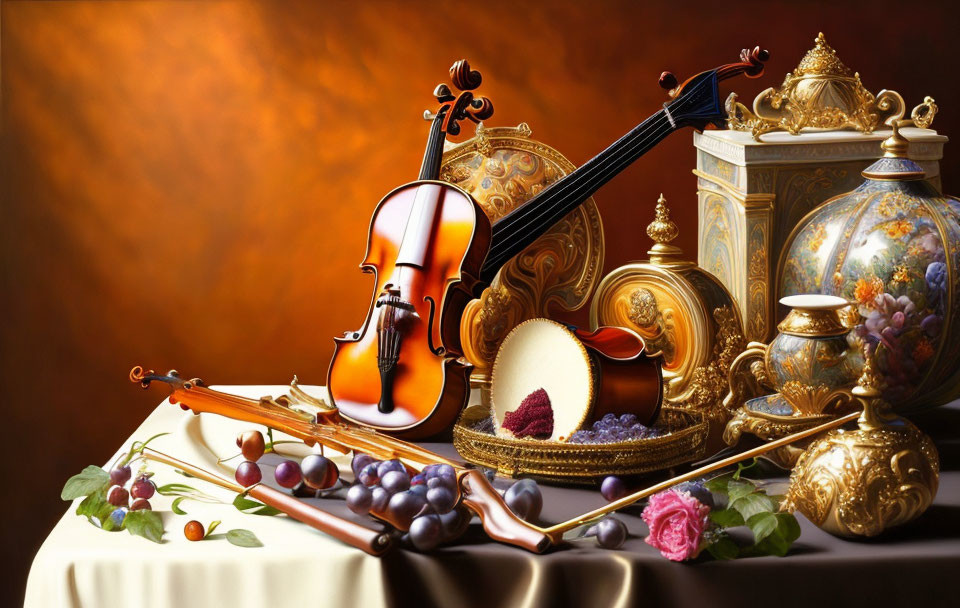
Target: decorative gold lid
821, 93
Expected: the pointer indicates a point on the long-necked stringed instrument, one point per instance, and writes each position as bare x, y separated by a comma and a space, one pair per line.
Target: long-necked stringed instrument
432, 249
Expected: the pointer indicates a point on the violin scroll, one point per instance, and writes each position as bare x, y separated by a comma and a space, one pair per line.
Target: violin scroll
465, 106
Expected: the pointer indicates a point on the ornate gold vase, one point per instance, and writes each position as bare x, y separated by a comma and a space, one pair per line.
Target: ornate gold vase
862, 482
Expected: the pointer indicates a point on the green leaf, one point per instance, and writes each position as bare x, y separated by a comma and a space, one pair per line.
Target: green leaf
96, 509
737, 489
726, 518
213, 526
751, 504
788, 527
182, 489
718, 484
771, 545
144, 523
253, 507
175, 507
723, 548
243, 538
85, 483
762, 525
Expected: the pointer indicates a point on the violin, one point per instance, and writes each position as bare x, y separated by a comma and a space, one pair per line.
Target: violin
432, 249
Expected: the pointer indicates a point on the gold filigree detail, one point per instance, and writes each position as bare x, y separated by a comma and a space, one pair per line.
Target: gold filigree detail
806, 399
813, 322
820, 93
657, 325
710, 382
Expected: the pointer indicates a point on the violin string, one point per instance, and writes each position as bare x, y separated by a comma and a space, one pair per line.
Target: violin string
612, 150
500, 251
517, 233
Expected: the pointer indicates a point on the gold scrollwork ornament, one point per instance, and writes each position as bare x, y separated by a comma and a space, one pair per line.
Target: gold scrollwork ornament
821, 93
862, 482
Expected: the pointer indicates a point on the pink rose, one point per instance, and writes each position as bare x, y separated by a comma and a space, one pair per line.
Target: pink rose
677, 521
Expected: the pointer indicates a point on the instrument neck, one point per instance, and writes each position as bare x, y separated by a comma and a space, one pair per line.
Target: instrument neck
430, 167
522, 226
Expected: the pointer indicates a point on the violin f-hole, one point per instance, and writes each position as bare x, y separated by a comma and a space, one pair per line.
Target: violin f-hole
438, 351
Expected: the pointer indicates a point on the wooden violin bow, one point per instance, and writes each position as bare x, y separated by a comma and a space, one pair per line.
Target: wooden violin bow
477, 494
374, 542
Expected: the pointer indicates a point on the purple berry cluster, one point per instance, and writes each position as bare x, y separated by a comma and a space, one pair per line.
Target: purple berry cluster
122, 490
612, 428
424, 502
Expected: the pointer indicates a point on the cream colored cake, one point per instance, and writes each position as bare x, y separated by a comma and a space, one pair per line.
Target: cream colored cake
543, 354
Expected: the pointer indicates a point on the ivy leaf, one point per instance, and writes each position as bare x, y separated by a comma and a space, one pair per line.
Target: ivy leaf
751, 504
144, 523
213, 526
718, 484
723, 548
95, 508
175, 507
85, 483
737, 489
726, 518
253, 507
763, 525
788, 527
243, 538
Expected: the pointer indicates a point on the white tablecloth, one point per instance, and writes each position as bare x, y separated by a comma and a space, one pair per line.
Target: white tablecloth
79, 565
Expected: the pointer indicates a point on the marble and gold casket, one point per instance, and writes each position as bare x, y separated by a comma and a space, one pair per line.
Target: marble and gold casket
802, 144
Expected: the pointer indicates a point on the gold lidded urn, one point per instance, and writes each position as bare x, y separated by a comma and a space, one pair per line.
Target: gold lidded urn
861, 482
810, 357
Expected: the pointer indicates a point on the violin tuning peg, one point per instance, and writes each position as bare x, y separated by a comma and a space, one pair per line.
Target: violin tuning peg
668, 81
427, 115
443, 93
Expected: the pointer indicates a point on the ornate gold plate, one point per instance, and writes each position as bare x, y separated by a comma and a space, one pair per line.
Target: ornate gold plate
503, 168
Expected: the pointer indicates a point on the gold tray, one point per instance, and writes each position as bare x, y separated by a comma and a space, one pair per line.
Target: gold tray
582, 463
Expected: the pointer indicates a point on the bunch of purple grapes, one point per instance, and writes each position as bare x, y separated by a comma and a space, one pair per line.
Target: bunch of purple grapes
426, 503
612, 428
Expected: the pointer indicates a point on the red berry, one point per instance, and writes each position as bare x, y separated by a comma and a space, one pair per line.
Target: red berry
248, 474
117, 496
193, 530
288, 474
252, 445
141, 504
142, 488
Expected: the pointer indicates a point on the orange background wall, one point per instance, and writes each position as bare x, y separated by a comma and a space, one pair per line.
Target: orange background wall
188, 184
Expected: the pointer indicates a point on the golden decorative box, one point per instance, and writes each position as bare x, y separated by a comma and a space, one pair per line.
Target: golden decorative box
802, 144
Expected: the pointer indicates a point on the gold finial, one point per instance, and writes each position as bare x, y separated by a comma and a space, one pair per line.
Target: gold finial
821, 60
662, 230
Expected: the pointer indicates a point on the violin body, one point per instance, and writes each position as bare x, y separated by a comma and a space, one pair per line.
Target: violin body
423, 283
